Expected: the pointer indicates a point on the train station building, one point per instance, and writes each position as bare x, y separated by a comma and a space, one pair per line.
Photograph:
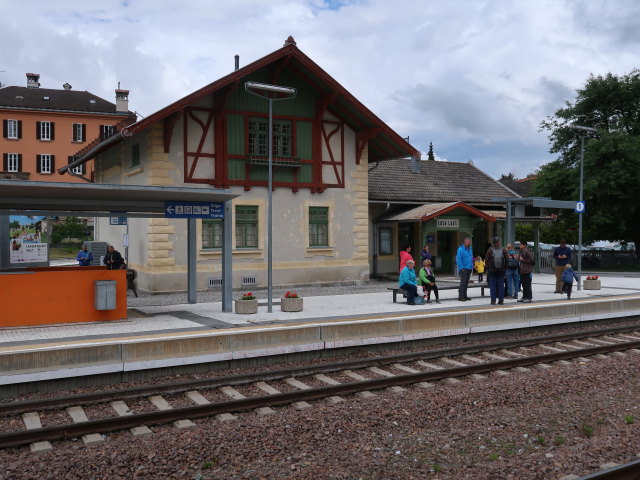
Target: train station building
436, 203
325, 141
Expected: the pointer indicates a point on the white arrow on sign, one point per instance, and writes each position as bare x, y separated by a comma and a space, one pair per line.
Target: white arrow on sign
170, 209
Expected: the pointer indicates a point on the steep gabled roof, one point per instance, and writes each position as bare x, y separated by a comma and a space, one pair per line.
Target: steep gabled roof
384, 143
24, 98
428, 211
394, 181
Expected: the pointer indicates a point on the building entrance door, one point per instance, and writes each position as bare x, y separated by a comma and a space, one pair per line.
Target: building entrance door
446, 250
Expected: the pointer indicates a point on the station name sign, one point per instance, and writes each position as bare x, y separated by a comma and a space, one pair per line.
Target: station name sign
448, 223
211, 210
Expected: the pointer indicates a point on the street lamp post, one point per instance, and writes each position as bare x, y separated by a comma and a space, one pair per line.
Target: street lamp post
589, 130
290, 93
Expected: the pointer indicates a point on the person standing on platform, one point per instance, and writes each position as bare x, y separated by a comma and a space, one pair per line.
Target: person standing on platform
405, 256
113, 260
568, 275
562, 256
409, 283
513, 276
479, 266
496, 262
526, 272
425, 254
84, 256
464, 260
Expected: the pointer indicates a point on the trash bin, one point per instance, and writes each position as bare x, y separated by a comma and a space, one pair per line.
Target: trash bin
105, 294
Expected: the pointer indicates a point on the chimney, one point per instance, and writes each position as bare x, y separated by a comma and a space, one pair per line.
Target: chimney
32, 80
237, 57
415, 164
122, 100
66, 86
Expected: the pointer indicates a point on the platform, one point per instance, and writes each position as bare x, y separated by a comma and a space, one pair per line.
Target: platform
177, 335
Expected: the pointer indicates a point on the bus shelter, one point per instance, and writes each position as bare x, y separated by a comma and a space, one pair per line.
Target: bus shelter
25, 198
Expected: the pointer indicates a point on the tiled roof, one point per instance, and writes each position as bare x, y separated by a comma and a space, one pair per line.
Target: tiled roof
394, 181
67, 100
422, 213
521, 187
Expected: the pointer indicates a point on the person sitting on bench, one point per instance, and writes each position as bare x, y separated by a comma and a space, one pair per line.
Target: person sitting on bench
409, 283
428, 281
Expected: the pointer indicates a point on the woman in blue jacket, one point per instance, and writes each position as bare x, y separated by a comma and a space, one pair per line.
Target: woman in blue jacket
408, 282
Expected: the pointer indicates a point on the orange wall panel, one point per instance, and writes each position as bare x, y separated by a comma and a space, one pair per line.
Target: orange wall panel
64, 295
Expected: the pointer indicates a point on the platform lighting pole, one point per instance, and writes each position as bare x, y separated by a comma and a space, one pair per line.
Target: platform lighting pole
289, 94
590, 130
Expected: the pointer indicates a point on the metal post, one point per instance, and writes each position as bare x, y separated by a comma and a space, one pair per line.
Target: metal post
126, 247
509, 223
191, 260
227, 255
536, 247
270, 215
580, 213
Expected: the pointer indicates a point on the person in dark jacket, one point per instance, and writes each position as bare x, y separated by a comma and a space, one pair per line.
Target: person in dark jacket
562, 256
113, 260
496, 263
526, 271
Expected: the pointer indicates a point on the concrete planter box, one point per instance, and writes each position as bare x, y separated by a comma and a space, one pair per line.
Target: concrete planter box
591, 284
291, 304
246, 307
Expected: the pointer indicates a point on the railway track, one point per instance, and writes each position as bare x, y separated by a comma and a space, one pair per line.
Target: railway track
309, 383
626, 471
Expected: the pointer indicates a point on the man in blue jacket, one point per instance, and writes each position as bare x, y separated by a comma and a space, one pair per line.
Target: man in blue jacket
562, 256
464, 260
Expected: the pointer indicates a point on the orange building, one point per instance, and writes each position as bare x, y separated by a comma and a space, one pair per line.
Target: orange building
42, 128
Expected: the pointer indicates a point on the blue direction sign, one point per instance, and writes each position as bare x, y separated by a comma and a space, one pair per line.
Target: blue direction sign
117, 220
581, 206
193, 210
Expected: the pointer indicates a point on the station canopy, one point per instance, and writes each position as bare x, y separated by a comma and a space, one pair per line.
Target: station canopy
20, 197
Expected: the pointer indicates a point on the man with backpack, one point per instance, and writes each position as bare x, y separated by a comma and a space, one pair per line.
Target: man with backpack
496, 261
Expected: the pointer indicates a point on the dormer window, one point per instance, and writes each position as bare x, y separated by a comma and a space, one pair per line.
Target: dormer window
93, 100
45, 98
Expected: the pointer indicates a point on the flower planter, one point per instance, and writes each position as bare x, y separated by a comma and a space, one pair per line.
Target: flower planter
246, 307
591, 284
291, 304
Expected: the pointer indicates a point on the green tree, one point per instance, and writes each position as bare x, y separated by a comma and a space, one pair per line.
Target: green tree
610, 104
430, 155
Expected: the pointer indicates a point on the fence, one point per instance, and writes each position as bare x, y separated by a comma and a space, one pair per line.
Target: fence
593, 259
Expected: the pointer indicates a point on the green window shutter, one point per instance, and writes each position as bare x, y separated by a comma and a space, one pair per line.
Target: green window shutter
235, 134
303, 140
211, 234
246, 226
318, 226
135, 155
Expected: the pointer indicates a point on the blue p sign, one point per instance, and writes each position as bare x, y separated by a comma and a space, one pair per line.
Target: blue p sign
581, 207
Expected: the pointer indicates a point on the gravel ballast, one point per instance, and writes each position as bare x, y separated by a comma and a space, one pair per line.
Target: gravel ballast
542, 424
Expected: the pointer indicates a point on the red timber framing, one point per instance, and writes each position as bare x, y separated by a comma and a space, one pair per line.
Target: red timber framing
195, 115
331, 96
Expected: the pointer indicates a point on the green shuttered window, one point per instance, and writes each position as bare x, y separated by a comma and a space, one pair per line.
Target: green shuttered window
246, 226
259, 137
318, 226
211, 234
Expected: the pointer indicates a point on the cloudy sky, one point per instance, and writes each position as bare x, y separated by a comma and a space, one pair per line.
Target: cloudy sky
475, 77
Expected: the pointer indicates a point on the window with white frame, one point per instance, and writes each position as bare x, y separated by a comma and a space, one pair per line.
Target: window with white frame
79, 132
211, 234
106, 131
12, 129
13, 162
78, 170
46, 129
45, 163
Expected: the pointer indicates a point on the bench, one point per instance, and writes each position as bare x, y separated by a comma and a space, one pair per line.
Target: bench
397, 291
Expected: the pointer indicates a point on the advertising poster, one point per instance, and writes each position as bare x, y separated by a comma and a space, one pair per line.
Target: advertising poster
26, 242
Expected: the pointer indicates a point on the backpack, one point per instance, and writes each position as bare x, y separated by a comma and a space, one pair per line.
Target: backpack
512, 263
497, 258
567, 275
